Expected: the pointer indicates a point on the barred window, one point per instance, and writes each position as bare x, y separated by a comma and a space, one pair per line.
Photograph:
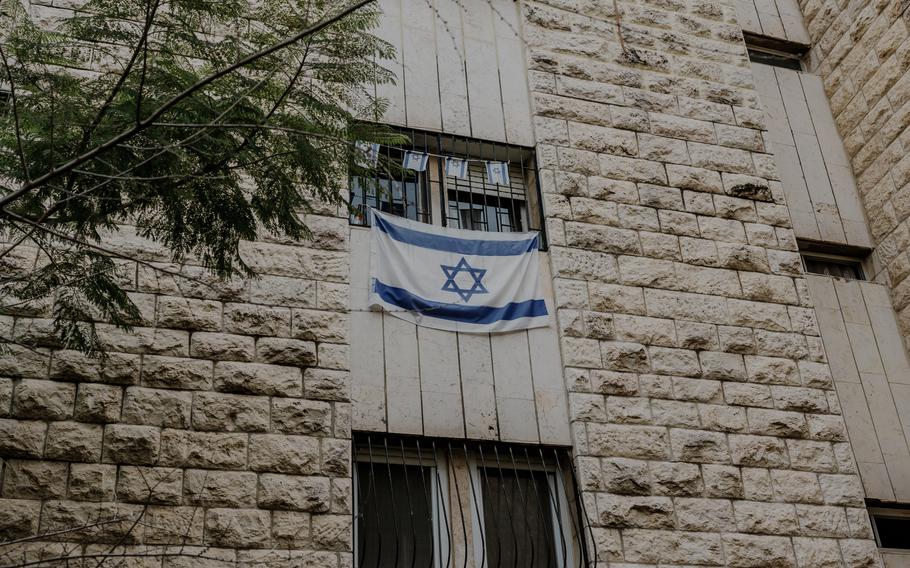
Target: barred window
430, 502
431, 196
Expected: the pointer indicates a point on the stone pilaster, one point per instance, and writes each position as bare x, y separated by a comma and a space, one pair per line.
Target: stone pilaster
706, 427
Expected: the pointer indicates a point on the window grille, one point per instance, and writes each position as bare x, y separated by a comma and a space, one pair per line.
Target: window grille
436, 503
432, 197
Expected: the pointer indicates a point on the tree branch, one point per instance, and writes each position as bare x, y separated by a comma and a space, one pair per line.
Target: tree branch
145, 123
15, 107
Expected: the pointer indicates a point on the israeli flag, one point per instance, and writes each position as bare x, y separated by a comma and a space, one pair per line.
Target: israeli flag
453, 279
416, 161
456, 167
366, 154
498, 172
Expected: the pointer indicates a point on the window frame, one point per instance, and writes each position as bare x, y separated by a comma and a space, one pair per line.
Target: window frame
844, 260
435, 461
561, 520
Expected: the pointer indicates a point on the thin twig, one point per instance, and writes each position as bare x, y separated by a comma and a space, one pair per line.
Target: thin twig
15, 108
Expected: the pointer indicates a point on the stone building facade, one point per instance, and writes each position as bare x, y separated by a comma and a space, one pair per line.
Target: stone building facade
719, 405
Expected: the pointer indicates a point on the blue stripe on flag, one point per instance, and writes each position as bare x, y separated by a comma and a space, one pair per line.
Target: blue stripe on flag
453, 244
459, 312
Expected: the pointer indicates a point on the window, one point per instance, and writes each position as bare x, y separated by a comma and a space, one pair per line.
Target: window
838, 267
433, 197
399, 504
428, 502
892, 526
523, 517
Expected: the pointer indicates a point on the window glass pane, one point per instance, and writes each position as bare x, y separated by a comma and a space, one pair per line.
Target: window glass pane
893, 532
518, 518
394, 515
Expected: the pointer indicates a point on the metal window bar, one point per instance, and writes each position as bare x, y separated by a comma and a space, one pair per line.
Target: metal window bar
416, 499
471, 203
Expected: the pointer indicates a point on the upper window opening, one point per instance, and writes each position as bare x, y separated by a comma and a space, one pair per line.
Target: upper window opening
892, 526
468, 202
424, 502
833, 260
776, 52
839, 267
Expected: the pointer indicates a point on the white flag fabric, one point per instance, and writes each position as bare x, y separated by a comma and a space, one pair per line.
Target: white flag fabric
366, 154
453, 279
456, 167
416, 161
498, 172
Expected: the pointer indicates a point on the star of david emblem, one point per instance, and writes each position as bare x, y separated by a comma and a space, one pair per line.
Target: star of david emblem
476, 274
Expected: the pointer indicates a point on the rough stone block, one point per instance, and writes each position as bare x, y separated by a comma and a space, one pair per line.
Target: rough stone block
176, 373
116, 368
21, 438
252, 319
318, 325
98, 403
620, 511
26, 479
124, 444
325, 384
699, 446
711, 515
748, 551
220, 488
44, 400
157, 407
189, 313
644, 442
161, 485
230, 413
766, 451
284, 454
283, 351
301, 416
18, 518
294, 492
92, 482
222, 346
765, 518
183, 448
257, 378
74, 441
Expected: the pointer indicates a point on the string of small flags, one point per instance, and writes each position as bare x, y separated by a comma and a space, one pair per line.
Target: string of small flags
367, 156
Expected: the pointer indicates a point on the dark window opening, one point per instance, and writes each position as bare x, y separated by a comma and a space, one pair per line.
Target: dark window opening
774, 51
892, 527
775, 59
839, 268
395, 515
519, 510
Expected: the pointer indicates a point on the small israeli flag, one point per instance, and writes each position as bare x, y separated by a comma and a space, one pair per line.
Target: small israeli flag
456, 167
498, 173
453, 279
416, 161
366, 154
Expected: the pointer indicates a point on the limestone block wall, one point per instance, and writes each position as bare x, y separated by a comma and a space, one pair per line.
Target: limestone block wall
217, 432
862, 52
705, 424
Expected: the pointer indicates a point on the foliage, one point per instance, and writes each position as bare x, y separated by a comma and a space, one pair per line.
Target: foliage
129, 112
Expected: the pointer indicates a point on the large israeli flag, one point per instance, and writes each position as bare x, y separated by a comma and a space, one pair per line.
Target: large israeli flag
457, 280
